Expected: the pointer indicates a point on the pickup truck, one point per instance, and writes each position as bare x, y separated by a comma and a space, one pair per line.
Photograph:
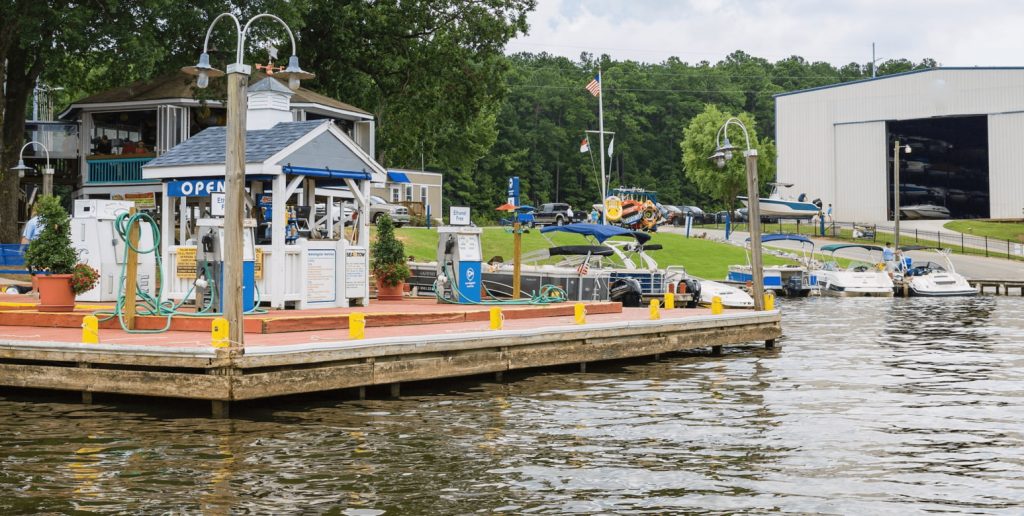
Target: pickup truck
556, 213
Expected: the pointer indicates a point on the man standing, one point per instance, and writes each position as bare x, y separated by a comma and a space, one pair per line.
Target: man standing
889, 257
32, 228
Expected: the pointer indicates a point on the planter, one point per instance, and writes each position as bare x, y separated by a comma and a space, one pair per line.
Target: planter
55, 294
386, 293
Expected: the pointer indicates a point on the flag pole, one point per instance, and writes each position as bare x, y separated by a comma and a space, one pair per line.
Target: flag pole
600, 127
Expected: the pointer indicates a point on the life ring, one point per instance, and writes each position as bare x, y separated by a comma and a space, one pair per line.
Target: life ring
650, 215
613, 208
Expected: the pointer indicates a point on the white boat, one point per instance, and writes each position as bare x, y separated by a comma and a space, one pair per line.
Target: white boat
731, 297
859, 279
924, 211
778, 205
930, 279
794, 280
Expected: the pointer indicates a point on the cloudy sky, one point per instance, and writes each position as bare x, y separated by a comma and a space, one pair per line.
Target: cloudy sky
953, 32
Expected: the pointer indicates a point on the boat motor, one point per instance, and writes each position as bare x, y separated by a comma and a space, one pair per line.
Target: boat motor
626, 291
692, 287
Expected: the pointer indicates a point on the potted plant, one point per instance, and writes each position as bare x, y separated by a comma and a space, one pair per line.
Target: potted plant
51, 253
387, 261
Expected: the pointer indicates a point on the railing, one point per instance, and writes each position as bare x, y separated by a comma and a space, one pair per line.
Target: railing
12, 259
117, 170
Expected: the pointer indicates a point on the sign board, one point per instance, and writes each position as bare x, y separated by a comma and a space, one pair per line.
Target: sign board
469, 248
513, 190
356, 279
258, 271
469, 282
218, 202
458, 215
194, 187
143, 200
320, 275
185, 264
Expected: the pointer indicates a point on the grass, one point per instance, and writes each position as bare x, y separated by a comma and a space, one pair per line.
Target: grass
700, 257
1013, 231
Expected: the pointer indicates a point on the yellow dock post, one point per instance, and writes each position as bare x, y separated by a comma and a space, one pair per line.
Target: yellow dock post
769, 301
670, 300
655, 310
580, 314
357, 326
497, 318
716, 305
90, 330
219, 333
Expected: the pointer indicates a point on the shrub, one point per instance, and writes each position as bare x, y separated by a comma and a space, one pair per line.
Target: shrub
388, 254
52, 251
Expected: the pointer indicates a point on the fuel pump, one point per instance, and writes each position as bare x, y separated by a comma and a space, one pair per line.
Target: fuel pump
97, 243
210, 264
458, 261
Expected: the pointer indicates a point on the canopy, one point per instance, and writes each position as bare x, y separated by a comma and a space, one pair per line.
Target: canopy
398, 177
775, 237
599, 231
918, 248
831, 248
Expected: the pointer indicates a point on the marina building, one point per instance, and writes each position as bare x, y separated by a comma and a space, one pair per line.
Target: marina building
960, 134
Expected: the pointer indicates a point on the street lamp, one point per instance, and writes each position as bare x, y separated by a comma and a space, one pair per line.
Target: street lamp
234, 180
21, 167
724, 152
896, 190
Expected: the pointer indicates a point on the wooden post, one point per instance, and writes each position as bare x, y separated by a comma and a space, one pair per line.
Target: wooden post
234, 209
716, 350
220, 409
517, 254
769, 344
396, 390
131, 275
754, 216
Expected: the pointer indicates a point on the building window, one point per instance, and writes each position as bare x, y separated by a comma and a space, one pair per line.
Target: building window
423, 195
394, 194
408, 193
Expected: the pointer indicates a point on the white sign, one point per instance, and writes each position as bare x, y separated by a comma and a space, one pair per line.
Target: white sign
355, 272
218, 201
469, 248
458, 215
320, 274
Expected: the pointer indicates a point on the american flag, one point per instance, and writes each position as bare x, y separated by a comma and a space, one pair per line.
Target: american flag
584, 267
594, 86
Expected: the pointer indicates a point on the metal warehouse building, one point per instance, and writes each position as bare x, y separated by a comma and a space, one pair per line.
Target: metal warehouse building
964, 126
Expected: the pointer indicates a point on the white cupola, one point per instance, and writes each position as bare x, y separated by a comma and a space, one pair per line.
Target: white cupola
269, 104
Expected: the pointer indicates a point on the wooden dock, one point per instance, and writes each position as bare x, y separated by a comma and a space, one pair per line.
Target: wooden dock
999, 286
183, 365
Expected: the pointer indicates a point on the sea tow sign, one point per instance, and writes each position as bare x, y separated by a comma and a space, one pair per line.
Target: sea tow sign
194, 187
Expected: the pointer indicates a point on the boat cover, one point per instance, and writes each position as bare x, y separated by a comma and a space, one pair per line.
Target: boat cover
835, 247
775, 237
601, 232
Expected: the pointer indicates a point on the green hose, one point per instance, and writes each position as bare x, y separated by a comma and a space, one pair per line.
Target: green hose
145, 303
548, 294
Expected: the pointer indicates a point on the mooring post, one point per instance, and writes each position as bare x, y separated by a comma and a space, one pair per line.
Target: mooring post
362, 393
499, 376
583, 367
220, 409
86, 395
396, 390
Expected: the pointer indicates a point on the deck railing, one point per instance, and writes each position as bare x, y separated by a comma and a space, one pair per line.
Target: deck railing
117, 170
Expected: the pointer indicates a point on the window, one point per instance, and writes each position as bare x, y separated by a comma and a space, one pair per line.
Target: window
423, 195
408, 193
394, 194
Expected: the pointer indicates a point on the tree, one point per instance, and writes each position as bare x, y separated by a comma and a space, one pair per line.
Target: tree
726, 183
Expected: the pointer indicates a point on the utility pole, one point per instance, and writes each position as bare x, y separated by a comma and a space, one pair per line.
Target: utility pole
234, 209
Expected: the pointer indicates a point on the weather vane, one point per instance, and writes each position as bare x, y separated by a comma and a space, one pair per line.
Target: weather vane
269, 68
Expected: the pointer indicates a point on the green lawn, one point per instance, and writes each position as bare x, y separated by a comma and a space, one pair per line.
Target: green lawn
1013, 231
703, 258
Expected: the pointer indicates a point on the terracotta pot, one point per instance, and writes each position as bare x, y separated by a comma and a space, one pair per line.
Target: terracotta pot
55, 294
386, 293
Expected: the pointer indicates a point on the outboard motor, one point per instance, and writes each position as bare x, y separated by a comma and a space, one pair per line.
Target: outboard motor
817, 202
693, 288
626, 291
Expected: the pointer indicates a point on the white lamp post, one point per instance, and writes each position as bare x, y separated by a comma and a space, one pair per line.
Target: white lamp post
724, 152
896, 190
21, 168
234, 210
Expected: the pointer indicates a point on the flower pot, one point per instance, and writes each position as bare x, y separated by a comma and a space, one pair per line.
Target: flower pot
55, 294
386, 293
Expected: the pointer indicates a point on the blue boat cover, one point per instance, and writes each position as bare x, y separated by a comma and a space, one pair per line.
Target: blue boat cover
599, 231
398, 177
831, 248
775, 237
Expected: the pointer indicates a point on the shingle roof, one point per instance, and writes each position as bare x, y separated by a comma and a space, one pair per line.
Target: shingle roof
209, 146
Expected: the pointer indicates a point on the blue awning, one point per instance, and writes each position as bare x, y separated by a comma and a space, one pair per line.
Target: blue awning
598, 231
398, 177
325, 173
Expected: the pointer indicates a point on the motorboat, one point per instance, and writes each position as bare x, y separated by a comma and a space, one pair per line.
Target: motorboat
930, 279
780, 206
859, 279
924, 211
793, 280
909, 190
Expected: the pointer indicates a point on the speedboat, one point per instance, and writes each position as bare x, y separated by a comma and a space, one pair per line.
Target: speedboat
778, 205
859, 279
924, 211
794, 280
930, 279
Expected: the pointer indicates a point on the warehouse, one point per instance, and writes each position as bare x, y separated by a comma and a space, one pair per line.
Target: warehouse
961, 137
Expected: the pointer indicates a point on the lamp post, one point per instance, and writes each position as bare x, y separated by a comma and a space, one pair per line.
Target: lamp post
21, 168
896, 190
724, 152
234, 180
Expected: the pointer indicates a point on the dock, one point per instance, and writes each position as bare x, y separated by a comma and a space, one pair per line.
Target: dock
434, 342
1000, 286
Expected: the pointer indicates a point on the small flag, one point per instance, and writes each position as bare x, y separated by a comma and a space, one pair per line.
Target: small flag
584, 145
594, 86
584, 267
611, 146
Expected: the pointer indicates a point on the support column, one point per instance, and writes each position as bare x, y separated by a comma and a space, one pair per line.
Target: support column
234, 210
277, 257
220, 409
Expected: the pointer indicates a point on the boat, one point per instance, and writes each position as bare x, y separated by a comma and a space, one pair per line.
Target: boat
779, 206
793, 280
859, 279
930, 279
924, 211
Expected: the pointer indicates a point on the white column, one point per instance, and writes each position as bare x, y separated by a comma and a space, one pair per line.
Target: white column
277, 262
166, 230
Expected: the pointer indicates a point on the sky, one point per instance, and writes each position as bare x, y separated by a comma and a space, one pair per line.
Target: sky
953, 32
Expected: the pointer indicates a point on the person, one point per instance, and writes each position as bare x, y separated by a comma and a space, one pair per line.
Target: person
828, 214
568, 213
129, 147
889, 257
104, 146
595, 217
32, 228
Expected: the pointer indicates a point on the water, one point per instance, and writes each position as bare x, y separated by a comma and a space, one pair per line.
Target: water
872, 406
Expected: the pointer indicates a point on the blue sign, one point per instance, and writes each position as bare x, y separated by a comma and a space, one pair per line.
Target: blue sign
513, 190
469, 282
194, 187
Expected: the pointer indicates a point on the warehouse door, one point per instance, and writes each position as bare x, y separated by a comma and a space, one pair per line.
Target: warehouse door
861, 172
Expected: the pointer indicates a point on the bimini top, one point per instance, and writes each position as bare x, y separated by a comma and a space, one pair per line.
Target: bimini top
775, 237
601, 232
831, 248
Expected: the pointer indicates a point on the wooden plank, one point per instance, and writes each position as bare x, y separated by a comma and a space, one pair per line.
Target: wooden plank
297, 381
154, 360
446, 366
143, 383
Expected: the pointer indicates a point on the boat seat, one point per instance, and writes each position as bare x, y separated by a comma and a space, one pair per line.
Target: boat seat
652, 247
580, 250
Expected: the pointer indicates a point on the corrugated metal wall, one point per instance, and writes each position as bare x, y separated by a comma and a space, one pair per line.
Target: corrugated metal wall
809, 144
861, 172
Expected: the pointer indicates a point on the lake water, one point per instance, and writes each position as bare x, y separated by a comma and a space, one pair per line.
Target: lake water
871, 406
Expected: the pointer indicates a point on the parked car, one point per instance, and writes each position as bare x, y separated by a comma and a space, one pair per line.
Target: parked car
399, 214
556, 213
695, 212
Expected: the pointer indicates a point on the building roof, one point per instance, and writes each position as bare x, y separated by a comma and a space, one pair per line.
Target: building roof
268, 84
179, 85
902, 74
209, 146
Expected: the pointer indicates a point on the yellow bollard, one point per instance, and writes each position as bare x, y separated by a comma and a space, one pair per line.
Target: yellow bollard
219, 333
580, 314
90, 330
655, 310
716, 305
357, 325
769, 301
497, 318
670, 300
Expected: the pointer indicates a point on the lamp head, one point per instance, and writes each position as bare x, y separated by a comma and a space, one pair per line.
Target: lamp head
727, 148
21, 168
295, 73
718, 158
203, 71
907, 149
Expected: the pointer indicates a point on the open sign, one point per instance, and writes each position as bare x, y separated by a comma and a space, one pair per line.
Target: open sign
194, 187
